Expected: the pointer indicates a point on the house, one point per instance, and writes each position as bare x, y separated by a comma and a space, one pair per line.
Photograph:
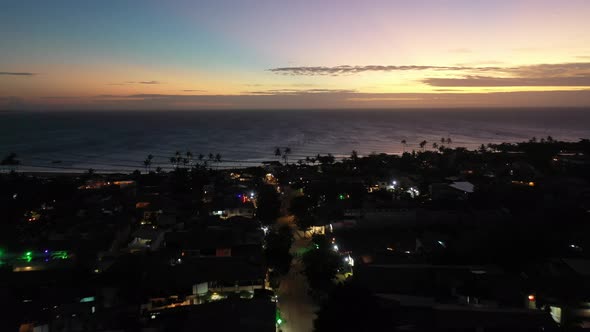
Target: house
255, 315
457, 190
452, 297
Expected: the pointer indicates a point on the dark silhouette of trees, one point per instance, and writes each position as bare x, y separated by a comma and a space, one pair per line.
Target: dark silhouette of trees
11, 160
302, 209
354, 157
423, 144
352, 308
278, 244
326, 160
321, 264
268, 204
286, 153
147, 163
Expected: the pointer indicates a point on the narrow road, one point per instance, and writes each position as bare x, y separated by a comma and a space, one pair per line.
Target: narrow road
297, 307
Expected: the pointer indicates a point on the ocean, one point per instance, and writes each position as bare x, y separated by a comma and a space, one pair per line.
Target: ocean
120, 141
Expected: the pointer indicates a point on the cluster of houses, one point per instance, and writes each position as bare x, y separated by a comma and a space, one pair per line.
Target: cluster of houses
426, 245
122, 254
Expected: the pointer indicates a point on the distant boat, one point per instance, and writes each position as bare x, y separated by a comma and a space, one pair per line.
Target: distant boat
56, 162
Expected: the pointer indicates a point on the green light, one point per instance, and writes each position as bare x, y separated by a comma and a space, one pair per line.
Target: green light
60, 255
341, 197
28, 256
316, 246
278, 317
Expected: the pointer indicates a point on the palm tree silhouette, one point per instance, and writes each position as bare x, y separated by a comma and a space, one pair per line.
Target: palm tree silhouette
177, 159
423, 144
404, 142
189, 156
147, 163
286, 153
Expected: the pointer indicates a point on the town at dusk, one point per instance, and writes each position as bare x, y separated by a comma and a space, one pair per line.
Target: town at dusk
294, 166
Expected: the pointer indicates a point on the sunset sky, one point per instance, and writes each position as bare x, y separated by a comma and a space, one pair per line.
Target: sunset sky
293, 54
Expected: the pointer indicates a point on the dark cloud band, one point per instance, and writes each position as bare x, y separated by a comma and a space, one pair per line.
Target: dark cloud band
346, 69
10, 73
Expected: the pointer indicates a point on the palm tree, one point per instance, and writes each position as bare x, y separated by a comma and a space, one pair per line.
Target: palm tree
286, 154
449, 141
434, 145
189, 156
278, 152
177, 159
218, 158
147, 163
404, 142
423, 144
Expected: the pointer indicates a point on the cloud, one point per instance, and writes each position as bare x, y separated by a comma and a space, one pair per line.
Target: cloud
298, 91
60, 97
11, 73
487, 81
561, 74
136, 82
347, 69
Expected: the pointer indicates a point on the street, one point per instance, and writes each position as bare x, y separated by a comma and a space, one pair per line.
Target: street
296, 306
